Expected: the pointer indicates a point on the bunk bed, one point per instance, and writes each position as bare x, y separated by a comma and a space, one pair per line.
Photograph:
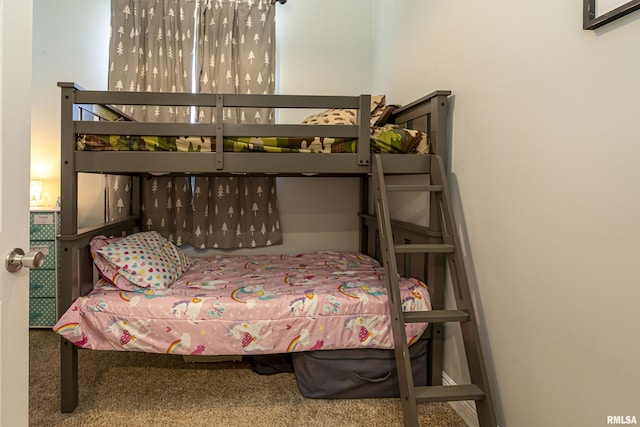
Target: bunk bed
92, 142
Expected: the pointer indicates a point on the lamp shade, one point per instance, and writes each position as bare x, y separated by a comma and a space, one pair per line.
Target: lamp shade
35, 193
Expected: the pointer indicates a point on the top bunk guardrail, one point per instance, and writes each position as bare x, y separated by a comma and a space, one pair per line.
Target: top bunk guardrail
94, 113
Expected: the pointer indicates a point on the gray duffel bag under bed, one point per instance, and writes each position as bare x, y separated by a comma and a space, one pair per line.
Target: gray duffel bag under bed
360, 373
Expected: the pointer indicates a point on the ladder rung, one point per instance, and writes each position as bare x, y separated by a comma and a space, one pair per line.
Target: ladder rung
409, 187
435, 316
448, 393
425, 248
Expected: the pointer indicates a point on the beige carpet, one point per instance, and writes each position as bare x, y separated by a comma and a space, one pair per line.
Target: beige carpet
136, 389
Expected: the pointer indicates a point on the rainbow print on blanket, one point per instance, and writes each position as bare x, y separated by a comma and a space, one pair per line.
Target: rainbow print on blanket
236, 305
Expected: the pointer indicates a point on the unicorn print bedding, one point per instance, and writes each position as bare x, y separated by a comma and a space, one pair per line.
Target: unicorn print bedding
154, 298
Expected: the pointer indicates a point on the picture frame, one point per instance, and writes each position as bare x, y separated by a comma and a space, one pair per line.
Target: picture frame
597, 13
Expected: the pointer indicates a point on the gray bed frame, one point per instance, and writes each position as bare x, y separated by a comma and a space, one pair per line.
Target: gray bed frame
92, 112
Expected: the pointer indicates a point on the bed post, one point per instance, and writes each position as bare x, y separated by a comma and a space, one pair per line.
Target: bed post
436, 263
430, 114
69, 280
364, 130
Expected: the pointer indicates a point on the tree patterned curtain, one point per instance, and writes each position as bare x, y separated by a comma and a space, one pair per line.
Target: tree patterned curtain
244, 209
237, 49
118, 196
210, 46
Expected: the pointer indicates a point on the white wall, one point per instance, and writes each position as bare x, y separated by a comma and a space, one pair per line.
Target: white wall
70, 44
311, 60
544, 148
323, 47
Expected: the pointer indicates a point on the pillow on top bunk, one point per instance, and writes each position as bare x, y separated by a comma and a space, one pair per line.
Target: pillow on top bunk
380, 113
141, 260
385, 137
395, 139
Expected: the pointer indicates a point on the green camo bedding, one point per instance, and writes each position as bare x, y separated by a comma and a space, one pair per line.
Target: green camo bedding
384, 139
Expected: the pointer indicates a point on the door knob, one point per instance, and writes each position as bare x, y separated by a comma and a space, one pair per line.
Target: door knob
16, 259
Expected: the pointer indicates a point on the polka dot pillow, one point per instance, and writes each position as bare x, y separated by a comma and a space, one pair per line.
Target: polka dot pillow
141, 260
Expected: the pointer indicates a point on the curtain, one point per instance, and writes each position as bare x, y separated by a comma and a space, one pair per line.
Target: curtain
237, 49
152, 49
209, 46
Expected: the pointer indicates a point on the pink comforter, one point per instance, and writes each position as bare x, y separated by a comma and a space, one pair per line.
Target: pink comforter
235, 305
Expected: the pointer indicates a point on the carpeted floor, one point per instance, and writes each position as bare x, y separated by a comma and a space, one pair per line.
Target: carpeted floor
137, 389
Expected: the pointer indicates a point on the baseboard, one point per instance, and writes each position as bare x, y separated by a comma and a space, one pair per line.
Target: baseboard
466, 409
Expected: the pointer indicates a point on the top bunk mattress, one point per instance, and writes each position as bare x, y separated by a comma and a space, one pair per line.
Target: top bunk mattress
386, 139
237, 305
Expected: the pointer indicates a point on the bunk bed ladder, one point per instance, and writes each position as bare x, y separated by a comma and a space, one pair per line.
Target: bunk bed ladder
411, 396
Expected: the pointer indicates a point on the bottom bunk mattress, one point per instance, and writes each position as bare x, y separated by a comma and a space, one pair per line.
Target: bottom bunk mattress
239, 305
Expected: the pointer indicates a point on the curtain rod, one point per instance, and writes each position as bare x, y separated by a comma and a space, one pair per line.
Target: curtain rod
278, 1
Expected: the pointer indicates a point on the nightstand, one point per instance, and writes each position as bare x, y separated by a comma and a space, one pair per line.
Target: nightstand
43, 281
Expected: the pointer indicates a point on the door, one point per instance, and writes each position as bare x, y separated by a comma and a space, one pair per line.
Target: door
15, 128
